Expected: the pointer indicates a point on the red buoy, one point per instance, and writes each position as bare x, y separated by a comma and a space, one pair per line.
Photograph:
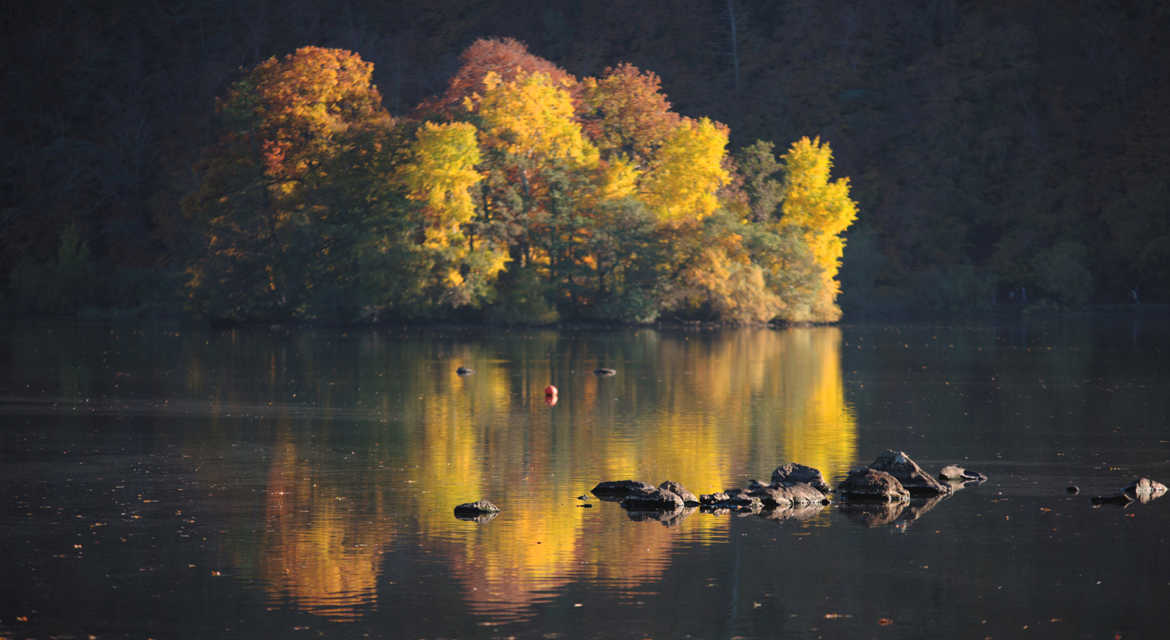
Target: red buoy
550, 391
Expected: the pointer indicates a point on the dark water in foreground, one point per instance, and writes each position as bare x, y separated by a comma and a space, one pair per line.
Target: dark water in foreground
176, 483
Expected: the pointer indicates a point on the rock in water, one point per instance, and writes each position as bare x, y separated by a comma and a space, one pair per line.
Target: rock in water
1144, 490
477, 508
792, 495
464, 371
604, 371
688, 498
955, 473
871, 484
793, 472
652, 500
616, 489
908, 473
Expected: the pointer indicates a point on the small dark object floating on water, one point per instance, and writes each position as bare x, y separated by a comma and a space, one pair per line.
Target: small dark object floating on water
477, 508
603, 371
1073, 489
464, 371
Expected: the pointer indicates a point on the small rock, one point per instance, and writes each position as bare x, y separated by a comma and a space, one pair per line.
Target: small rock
603, 371
793, 472
793, 495
908, 473
1144, 490
477, 508
464, 371
712, 499
677, 489
955, 473
652, 500
871, 484
616, 489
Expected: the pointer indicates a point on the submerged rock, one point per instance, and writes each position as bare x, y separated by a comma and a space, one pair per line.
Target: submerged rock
618, 489
955, 473
473, 510
908, 473
688, 498
794, 473
872, 484
652, 499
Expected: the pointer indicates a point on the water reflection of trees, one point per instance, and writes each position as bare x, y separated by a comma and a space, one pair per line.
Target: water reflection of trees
707, 410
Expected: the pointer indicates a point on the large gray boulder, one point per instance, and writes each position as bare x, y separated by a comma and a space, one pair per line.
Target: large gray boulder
874, 485
912, 477
795, 473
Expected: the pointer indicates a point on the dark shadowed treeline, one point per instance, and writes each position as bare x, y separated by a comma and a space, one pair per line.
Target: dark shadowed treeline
999, 152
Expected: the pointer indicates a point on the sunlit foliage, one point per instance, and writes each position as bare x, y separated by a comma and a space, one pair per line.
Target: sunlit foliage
520, 194
822, 209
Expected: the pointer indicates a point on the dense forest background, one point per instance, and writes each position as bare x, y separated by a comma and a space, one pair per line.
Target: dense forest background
1001, 153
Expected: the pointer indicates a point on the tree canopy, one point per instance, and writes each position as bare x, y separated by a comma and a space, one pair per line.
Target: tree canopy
520, 194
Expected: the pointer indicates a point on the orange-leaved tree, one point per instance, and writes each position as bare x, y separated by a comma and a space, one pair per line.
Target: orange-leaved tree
278, 206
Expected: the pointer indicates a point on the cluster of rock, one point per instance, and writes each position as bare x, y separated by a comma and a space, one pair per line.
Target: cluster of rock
895, 476
795, 491
893, 489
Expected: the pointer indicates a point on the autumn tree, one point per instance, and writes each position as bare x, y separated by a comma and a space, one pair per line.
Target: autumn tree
821, 209
278, 212
687, 171
438, 175
626, 115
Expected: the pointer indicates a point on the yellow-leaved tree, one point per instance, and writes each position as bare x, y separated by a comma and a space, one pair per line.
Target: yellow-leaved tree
822, 209
531, 118
438, 175
687, 171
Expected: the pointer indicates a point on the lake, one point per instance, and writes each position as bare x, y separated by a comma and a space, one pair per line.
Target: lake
166, 481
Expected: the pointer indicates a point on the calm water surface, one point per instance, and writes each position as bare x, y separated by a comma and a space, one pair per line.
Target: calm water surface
162, 482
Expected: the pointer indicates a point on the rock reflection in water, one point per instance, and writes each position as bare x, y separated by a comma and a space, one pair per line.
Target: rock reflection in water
665, 518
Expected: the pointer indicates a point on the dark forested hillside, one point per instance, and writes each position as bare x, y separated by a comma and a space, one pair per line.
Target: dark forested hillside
1000, 152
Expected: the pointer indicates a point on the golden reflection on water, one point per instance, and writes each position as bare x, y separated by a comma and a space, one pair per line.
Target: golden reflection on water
318, 554
708, 410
